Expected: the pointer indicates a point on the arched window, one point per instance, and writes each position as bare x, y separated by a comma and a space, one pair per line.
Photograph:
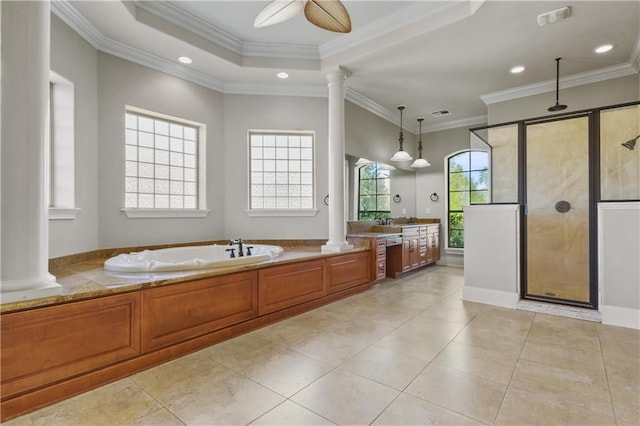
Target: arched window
467, 183
374, 191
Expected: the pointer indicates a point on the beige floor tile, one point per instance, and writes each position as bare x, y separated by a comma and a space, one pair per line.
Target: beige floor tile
563, 384
345, 398
161, 417
571, 338
182, 376
409, 410
456, 390
580, 327
487, 363
422, 325
291, 414
491, 339
287, 372
286, 333
625, 394
621, 357
452, 313
231, 400
363, 329
563, 357
120, 402
19, 421
331, 347
511, 321
522, 407
390, 368
243, 351
408, 342
620, 333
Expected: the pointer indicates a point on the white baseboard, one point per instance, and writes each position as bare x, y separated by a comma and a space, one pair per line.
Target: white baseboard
490, 297
623, 317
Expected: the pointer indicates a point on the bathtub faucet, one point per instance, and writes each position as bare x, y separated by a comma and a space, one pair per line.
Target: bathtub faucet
239, 243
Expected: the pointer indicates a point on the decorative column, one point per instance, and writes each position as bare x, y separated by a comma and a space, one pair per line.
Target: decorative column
24, 267
337, 220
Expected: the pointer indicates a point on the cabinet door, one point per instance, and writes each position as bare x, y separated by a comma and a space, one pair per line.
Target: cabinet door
348, 271
415, 252
179, 312
407, 246
46, 345
285, 286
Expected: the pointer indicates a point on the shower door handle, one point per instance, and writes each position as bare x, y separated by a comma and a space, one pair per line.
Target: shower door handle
563, 206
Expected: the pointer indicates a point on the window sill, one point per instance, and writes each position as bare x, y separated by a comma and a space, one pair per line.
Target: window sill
57, 213
281, 212
164, 213
459, 251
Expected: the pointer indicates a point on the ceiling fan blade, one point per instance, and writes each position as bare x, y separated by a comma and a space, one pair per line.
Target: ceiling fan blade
328, 14
278, 11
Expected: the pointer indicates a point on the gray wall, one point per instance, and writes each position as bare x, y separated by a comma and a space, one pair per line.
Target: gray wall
122, 83
243, 113
77, 61
609, 92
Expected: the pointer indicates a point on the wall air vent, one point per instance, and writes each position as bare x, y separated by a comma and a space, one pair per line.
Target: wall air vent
440, 113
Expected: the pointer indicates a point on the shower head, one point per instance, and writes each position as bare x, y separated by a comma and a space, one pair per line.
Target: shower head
631, 143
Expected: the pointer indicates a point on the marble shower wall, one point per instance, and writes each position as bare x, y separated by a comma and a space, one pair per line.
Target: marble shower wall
504, 163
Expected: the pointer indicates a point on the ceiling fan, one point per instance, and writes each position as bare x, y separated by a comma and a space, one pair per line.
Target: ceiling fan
327, 14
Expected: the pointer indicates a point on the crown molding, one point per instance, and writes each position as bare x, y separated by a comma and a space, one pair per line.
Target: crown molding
602, 74
275, 90
178, 16
393, 22
454, 124
70, 16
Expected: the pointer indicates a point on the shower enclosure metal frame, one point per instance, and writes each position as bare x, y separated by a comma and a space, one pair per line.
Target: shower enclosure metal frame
594, 189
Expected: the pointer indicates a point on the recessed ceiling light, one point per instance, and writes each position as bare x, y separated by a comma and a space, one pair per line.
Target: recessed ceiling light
185, 59
603, 48
517, 69
282, 75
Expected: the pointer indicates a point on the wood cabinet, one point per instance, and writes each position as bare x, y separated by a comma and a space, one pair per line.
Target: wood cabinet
420, 247
52, 353
50, 344
348, 271
284, 286
182, 311
378, 247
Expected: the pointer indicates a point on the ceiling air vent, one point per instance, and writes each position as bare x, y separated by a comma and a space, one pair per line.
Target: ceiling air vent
440, 113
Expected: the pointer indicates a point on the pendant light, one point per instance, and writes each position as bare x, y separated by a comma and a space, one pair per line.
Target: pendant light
557, 106
401, 155
420, 162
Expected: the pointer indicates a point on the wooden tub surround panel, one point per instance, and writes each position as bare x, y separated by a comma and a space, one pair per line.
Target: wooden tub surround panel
55, 352
183, 311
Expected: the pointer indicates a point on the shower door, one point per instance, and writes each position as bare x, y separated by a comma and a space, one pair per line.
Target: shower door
557, 213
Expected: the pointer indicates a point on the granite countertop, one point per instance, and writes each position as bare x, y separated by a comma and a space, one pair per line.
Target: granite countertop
88, 279
373, 234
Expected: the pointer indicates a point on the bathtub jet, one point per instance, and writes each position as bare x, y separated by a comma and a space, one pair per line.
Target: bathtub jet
187, 258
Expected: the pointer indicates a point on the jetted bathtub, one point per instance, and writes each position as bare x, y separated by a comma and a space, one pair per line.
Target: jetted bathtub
185, 258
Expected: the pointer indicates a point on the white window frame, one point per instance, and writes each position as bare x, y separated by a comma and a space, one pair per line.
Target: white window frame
288, 212
60, 149
198, 212
457, 250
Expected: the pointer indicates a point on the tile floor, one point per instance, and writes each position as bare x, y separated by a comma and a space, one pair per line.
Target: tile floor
407, 352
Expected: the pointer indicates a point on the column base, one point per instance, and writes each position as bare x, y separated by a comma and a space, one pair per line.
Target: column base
336, 248
36, 290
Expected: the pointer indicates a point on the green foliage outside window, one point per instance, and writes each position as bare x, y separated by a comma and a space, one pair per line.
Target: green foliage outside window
468, 184
374, 192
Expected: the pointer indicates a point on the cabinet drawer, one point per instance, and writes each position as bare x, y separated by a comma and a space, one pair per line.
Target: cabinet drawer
410, 232
381, 254
381, 270
46, 345
180, 312
381, 245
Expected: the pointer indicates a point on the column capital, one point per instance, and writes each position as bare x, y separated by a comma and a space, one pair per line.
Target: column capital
338, 74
